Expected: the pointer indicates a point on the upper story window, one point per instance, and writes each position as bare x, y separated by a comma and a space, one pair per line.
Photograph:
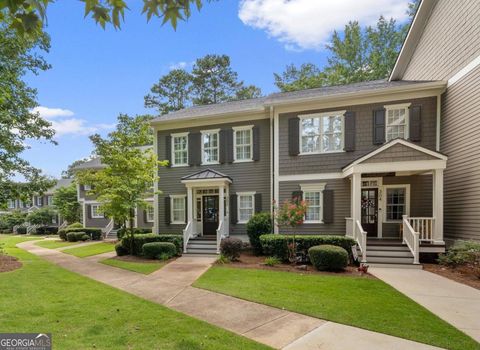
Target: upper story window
210, 140
11, 204
243, 143
246, 206
49, 200
39, 201
322, 133
150, 213
396, 121
96, 212
87, 187
180, 149
313, 195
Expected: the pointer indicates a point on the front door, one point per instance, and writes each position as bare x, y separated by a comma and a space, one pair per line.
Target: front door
210, 215
370, 211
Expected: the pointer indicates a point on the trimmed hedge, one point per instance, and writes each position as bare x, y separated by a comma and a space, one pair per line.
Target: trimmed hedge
155, 250
93, 233
231, 247
120, 250
328, 257
77, 236
259, 224
276, 245
140, 239
46, 230
123, 231
22, 230
75, 225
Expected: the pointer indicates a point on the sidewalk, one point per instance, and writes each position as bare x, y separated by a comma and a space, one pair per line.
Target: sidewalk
454, 302
171, 286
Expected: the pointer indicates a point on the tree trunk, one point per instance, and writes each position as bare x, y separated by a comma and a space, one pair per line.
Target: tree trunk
131, 230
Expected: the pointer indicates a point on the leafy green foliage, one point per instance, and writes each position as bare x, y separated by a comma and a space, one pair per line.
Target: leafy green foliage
93, 233
154, 250
13, 218
140, 239
231, 247
42, 216
77, 236
328, 257
222, 260
66, 202
259, 224
120, 249
307, 76
462, 253
272, 261
75, 225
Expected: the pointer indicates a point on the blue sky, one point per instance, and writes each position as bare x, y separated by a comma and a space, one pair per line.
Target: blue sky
97, 74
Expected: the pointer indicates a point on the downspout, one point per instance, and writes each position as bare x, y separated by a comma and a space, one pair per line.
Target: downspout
439, 113
156, 226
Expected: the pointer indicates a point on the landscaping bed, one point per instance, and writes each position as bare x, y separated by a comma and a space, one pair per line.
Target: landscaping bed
9, 263
460, 274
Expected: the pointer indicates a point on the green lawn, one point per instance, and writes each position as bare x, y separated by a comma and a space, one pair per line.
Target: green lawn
361, 302
91, 249
51, 244
85, 314
141, 267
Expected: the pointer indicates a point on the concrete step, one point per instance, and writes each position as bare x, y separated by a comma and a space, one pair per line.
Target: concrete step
389, 260
391, 253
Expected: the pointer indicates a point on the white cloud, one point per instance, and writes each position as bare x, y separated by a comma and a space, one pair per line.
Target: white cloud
308, 24
63, 123
180, 65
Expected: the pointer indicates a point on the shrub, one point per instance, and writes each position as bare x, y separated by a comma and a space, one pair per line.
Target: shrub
22, 230
154, 250
259, 224
46, 230
137, 231
120, 250
74, 225
462, 253
93, 233
140, 239
165, 256
231, 247
276, 245
272, 261
328, 257
77, 236
222, 259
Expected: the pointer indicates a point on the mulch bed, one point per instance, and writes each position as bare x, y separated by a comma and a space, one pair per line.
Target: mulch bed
461, 274
9, 263
249, 261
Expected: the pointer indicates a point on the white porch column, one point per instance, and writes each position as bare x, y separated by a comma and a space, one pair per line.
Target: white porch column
356, 187
221, 206
437, 205
190, 204
227, 212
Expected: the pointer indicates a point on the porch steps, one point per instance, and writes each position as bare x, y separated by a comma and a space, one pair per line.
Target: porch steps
389, 254
202, 245
112, 234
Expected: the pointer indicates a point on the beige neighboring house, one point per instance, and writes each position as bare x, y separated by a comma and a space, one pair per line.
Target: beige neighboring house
443, 44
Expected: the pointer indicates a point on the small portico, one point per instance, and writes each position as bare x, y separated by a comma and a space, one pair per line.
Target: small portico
207, 206
381, 196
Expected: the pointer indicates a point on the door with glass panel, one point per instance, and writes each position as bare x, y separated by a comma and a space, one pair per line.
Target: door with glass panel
370, 211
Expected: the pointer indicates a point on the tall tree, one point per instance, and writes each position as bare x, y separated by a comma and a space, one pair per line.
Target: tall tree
247, 92
293, 78
66, 202
129, 172
171, 93
19, 55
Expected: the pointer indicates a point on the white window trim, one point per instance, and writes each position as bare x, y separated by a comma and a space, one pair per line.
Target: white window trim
241, 128
172, 149
405, 106
38, 201
147, 219
175, 196
384, 201
252, 194
11, 204
317, 187
99, 216
321, 115
214, 131
87, 188
49, 200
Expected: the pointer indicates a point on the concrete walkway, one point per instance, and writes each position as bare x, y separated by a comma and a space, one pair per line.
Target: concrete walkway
454, 302
171, 286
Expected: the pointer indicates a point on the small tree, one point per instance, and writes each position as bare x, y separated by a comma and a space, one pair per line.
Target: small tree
66, 202
11, 219
291, 214
42, 216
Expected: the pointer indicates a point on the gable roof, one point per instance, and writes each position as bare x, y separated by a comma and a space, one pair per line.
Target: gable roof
59, 183
207, 174
413, 37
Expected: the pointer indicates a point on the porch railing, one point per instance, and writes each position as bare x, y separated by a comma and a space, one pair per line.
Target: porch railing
108, 228
356, 231
32, 228
187, 234
424, 226
411, 238
220, 234
63, 225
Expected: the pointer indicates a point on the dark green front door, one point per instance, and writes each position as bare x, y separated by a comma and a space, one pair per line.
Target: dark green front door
210, 215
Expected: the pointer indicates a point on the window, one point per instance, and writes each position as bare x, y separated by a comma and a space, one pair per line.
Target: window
246, 206
87, 187
11, 204
322, 133
21, 204
95, 211
243, 143
396, 203
210, 147
396, 122
180, 149
49, 200
150, 214
39, 201
178, 209
313, 195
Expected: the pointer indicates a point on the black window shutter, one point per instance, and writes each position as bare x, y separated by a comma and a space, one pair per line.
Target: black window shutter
144, 215
327, 206
186, 209
168, 149
88, 208
194, 148
256, 143
379, 126
349, 131
293, 136
415, 123
222, 152
258, 202
297, 196
233, 209
167, 210
226, 146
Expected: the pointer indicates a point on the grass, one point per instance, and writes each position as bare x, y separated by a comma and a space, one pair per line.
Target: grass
51, 244
85, 314
362, 302
91, 249
135, 266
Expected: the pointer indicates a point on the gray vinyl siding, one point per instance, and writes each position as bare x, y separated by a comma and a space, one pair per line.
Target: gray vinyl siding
398, 153
141, 219
91, 222
246, 177
450, 40
460, 141
334, 162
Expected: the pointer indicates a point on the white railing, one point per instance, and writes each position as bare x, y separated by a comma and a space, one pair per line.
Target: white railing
14, 229
220, 234
32, 228
63, 225
187, 234
108, 228
355, 230
424, 226
411, 238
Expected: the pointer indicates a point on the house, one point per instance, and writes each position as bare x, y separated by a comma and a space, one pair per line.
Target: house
444, 44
